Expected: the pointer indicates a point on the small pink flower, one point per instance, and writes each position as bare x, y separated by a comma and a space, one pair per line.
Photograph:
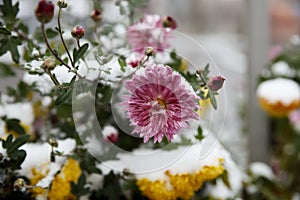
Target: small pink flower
44, 11
134, 59
159, 103
149, 32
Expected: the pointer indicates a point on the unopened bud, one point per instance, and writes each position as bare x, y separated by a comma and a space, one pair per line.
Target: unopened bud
149, 51
113, 137
62, 4
126, 172
44, 11
96, 15
19, 184
215, 83
53, 142
78, 32
49, 64
169, 22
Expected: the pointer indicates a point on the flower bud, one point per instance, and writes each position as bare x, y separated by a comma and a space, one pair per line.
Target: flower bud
96, 15
62, 4
19, 184
49, 64
215, 83
169, 22
53, 142
149, 51
113, 137
78, 32
44, 11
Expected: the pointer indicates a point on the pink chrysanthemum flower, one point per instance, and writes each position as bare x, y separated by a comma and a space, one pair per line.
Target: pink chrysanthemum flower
159, 104
149, 32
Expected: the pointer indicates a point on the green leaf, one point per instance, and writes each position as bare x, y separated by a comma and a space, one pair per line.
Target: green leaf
4, 31
17, 158
225, 179
9, 11
212, 98
6, 71
64, 96
200, 135
79, 188
122, 63
10, 44
14, 125
77, 54
6, 143
51, 33
17, 143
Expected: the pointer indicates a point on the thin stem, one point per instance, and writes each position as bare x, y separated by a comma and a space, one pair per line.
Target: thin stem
62, 39
53, 78
78, 43
50, 49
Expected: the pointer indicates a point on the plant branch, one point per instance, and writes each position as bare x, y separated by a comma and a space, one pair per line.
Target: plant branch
50, 49
62, 39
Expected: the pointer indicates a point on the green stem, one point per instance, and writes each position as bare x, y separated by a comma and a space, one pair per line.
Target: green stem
53, 78
50, 49
62, 39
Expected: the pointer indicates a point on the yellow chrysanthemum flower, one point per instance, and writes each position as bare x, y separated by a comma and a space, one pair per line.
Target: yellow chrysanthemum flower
179, 185
278, 96
61, 184
204, 104
184, 65
60, 188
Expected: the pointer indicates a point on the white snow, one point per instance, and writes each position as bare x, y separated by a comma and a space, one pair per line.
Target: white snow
261, 169
38, 154
279, 90
282, 68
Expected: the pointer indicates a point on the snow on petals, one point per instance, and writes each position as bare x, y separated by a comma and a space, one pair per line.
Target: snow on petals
159, 103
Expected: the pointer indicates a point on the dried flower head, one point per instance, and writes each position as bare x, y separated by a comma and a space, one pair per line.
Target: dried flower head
19, 184
62, 4
169, 22
53, 142
44, 11
49, 64
149, 51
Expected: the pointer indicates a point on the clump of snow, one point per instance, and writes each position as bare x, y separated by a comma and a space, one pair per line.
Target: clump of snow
42, 82
261, 169
281, 90
38, 154
282, 68
152, 164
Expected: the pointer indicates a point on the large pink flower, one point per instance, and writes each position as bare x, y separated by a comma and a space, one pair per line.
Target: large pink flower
159, 103
149, 32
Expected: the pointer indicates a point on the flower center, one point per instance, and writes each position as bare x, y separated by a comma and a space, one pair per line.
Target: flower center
162, 103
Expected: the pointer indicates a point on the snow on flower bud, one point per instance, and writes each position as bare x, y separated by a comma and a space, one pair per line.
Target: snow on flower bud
49, 64
110, 134
78, 32
149, 51
215, 83
96, 15
169, 22
62, 4
44, 11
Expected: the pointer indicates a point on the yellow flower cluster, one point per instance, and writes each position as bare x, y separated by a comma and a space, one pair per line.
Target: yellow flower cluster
61, 184
278, 109
179, 185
